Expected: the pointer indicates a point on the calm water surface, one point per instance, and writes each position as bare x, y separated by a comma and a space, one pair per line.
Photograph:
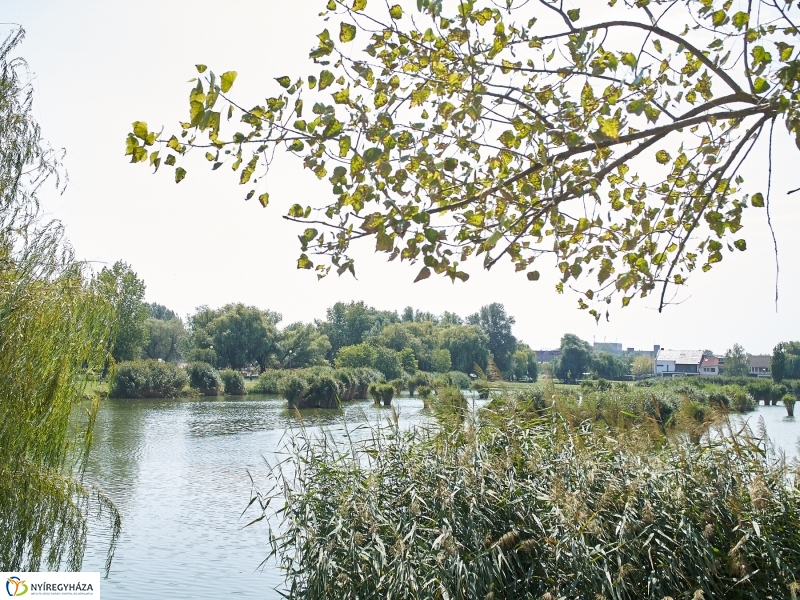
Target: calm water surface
178, 472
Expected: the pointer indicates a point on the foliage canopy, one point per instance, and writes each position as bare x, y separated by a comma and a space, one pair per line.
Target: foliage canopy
609, 136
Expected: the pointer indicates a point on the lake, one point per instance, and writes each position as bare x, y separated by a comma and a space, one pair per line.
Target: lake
178, 472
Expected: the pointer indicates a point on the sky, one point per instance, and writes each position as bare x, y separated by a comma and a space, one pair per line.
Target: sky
99, 65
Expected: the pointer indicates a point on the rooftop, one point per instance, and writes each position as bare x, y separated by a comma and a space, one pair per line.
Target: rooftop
681, 357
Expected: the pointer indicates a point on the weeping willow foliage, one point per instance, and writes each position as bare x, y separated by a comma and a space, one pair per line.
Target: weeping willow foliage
52, 328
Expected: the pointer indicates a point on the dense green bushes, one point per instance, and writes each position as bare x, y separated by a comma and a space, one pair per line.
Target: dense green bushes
205, 378
381, 392
233, 382
317, 387
148, 379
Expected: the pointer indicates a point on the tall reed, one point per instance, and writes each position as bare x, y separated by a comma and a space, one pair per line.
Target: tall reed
498, 508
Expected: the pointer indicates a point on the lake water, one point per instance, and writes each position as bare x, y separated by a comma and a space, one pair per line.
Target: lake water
178, 472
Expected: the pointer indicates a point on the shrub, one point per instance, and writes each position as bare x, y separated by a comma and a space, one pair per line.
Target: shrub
148, 379
269, 382
293, 388
415, 381
482, 387
381, 392
789, 401
233, 382
204, 378
459, 380
425, 392
398, 386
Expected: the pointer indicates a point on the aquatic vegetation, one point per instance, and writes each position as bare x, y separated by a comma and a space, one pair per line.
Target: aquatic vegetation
500, 508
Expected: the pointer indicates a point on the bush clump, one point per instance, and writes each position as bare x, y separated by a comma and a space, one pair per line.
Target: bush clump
148, 379
233, 382
381, 392
205, 378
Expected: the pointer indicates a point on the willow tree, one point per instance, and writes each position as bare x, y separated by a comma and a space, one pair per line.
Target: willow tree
52, 328
610, 136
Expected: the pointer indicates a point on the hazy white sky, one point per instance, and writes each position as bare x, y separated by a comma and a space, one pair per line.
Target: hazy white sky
100, 65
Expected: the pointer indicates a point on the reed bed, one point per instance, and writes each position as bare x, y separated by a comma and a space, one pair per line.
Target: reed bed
512, 504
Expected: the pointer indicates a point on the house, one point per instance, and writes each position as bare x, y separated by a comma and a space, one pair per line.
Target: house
671, 363
710, 366
759, 365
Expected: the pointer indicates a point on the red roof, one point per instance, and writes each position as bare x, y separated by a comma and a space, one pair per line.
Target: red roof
709, 361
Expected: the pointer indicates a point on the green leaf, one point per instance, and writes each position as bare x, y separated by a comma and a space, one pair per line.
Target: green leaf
359, 5
372, 155
347, 32
296, 146
180, 173
140, 129
719, 18
396, 12
227, 79
201, 68
284, 81
342, 96
574, 14
760, 85
740, 20
325, 79
757, 200
424, 273
344, 145
264, 199
533, 276
197, 112
629, 59
331, 5
740, 245
663, 157
296, 211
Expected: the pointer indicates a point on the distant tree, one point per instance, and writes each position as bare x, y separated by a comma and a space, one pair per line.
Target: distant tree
576, 358
468, 345
778, 363
440, 360
450, 318
124, 291
408, 315
736, 362
355, 356
494, 321
607, 366
164, 338
347, 324
302, 345
238, 334
525, 365
387, 361
408, 362
642, 365
708, 353
160, 312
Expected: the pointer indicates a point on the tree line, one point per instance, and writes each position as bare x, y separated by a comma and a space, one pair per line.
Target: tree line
352, 334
